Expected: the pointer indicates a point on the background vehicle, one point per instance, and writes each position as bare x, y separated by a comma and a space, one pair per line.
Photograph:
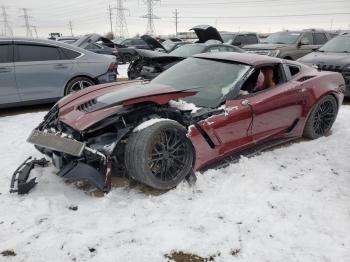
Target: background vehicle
158, 133
40, 71
239, 38
135, 43
333, 56
171, 46
290, 44
150, 64
67, 39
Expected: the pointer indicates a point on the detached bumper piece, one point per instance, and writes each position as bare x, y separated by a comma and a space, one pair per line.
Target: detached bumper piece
81, 171
21, 175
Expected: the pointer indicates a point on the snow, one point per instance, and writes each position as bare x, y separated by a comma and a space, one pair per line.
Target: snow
150, 122
123, 70
287, 204
184, 106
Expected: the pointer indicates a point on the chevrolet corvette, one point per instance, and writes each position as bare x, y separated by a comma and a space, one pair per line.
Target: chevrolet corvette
200, 113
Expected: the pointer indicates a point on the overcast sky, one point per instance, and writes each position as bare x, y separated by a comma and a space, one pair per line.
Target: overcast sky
244, 15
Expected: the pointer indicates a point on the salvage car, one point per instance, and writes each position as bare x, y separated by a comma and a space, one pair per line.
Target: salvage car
290, 44
333, 56
160, 132
34, 71
148, 64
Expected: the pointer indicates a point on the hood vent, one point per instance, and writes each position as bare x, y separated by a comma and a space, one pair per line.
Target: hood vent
89, 106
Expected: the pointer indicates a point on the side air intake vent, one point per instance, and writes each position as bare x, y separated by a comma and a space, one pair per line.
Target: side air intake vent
304, 78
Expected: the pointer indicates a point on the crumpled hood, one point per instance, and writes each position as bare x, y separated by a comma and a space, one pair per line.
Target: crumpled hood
91, 105
265, 46
326, 58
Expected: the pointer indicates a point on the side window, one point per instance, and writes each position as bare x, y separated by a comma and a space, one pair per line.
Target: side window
28, 53
226, 49
320, 38
214, 49
239, 40
4, 53
293, 70
138, 42
251, 39
126, 42
70, 54
307, 38
92, 46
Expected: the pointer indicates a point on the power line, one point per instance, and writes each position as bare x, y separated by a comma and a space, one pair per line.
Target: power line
7, 30
27, 25
121, 21
150, 16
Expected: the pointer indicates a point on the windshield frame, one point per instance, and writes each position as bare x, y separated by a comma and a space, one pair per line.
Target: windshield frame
335, 39
232, 87
297, 34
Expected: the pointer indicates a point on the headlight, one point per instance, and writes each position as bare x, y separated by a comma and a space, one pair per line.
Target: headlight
273, 53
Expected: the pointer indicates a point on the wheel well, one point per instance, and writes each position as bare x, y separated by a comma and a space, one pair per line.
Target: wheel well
88, 77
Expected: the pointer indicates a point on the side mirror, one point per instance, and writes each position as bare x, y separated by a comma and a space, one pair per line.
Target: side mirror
304, 41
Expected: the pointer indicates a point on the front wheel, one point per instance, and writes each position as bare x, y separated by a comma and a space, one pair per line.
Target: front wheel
321, 118
159, 155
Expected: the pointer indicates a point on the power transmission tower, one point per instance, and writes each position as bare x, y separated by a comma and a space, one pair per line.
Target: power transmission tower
121, 21
35, 31
7, 30
26, 22
70, 24
176, 16
150, 16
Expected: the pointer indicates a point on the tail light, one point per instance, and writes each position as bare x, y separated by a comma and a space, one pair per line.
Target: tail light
113, 67
115, 53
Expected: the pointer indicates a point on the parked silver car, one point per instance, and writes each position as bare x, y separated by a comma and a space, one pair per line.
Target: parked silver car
42, 71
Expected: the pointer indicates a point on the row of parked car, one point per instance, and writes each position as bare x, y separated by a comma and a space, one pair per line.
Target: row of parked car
41, 71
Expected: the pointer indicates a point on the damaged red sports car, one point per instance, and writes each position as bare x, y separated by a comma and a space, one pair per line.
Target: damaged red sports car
199, 113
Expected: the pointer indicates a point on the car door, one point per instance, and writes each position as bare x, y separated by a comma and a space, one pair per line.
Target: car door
305, 45
8, 87
276, 110
41, 70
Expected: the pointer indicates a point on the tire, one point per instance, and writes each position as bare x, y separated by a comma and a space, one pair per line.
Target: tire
160, 155
77, 84
321, 118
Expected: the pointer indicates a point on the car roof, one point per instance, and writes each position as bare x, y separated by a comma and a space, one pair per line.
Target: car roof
236, 33
244, 58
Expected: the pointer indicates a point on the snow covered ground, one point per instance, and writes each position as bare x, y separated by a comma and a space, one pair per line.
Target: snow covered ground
288, 204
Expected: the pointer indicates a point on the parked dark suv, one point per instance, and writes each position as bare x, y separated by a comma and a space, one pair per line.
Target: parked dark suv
239, 38
290, 44
333, 56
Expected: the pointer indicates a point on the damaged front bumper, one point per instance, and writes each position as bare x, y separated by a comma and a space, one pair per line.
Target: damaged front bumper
69, 156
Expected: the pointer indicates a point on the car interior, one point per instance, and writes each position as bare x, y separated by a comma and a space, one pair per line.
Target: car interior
259, 80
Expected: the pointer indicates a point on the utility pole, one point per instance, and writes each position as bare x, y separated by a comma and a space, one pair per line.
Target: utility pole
121, 21
150, 16
110, 17
26, 21
70, 24
7, 30
176, 16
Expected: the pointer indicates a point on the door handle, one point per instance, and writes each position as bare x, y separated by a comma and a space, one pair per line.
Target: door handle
60, 66
5, 70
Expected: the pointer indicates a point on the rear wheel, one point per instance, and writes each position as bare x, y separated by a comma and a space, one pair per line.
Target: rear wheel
160, 155
77, 84
321, 118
